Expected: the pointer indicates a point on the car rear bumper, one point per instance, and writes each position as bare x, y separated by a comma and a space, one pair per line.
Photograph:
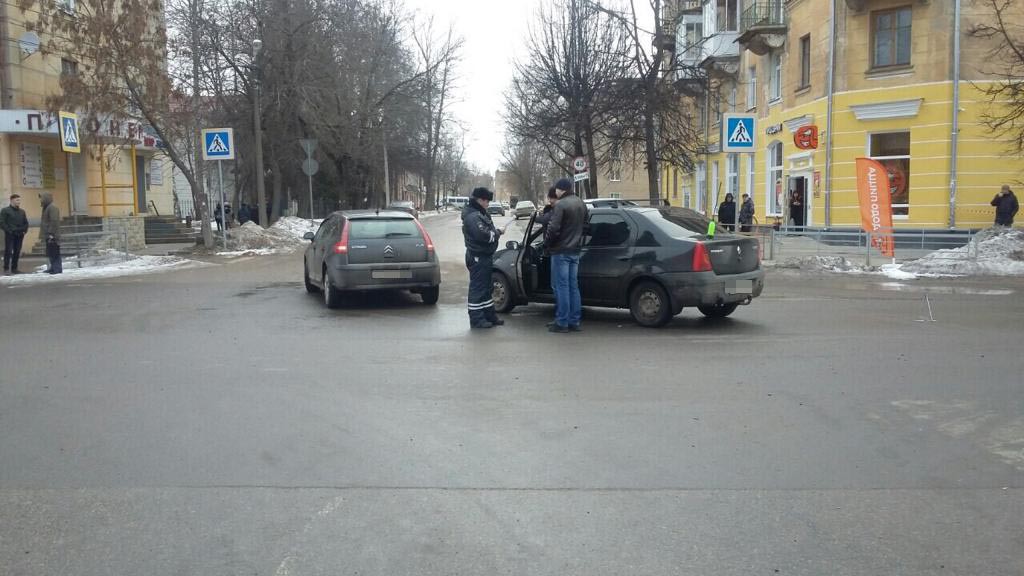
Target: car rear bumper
704, 288
399, 276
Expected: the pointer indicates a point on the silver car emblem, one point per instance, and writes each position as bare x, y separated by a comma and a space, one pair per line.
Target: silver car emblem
389, 252
739, 252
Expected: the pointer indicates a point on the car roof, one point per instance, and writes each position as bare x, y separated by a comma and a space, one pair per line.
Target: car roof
371, 214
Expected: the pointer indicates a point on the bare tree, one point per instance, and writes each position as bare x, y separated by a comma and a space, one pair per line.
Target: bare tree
439, 55
528, 163
1005, 32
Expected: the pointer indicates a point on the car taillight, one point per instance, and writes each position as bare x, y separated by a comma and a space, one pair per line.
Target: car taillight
426, 237
342, 246
701, 258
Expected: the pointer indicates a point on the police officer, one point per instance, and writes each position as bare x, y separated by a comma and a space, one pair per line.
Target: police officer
481, 242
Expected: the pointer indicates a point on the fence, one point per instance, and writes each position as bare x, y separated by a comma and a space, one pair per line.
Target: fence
857, 245
86, 242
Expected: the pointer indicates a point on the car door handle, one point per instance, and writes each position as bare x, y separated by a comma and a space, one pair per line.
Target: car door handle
624, 258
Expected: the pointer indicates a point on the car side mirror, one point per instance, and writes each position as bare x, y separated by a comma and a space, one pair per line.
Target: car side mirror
308, 236
512, 245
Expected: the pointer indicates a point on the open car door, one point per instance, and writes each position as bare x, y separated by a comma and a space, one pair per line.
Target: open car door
530, 258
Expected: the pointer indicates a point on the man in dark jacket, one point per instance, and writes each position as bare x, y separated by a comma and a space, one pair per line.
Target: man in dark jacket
14, 223
481, 238
49, 231
727, 213
1006, 206
563, 239
746, 213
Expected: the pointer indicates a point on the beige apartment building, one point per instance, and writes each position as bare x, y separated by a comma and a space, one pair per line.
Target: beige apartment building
899, 81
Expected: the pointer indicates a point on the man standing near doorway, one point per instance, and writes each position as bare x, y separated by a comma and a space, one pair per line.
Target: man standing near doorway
481, 238
563, 238
49, 231
14, 223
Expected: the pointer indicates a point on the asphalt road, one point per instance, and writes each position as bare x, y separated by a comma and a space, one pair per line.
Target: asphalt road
222, 421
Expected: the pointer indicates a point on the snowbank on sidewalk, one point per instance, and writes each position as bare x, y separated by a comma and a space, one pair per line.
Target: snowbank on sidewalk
105, 264
250, 236
296, 226
822, 264
1000, 252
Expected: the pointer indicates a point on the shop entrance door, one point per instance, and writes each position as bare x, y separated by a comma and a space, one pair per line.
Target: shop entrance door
797, 201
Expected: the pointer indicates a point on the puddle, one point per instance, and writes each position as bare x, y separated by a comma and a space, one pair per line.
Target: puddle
960, 290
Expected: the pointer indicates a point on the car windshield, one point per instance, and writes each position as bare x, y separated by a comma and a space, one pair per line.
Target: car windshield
378, 228
678, 222
525, 204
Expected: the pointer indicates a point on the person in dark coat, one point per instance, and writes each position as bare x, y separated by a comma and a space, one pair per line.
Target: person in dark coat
727, 213
243, 213
481, 238
563, 239
1006, 206
49, 231
746, 213
545, 214
14, 223
218, 217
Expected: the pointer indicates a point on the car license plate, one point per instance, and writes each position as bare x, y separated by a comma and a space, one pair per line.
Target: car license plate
740, 287
390, 274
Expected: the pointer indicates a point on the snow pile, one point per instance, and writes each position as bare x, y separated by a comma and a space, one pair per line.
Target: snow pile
1000, 252
296, 226
250, 236
104, 264
822, 264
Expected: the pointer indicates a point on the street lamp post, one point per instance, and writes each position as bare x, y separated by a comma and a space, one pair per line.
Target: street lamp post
261, 193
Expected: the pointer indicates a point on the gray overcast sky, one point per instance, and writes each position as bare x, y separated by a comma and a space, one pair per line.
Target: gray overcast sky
495, 33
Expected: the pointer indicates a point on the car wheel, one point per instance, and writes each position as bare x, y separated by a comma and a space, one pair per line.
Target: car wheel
718, 310
332, 296
312, 289
430, 295
649, 305
501, 293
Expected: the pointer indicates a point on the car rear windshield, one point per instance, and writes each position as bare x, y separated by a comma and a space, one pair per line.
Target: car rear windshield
678, 222
524, 204
402, 205
378, 228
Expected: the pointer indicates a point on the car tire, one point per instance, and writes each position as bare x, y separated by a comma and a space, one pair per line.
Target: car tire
310, 287
501, 293
718, 310
332, 296
649, 305
430, 295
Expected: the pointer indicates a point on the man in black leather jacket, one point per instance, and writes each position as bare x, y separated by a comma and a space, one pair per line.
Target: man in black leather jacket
481, 238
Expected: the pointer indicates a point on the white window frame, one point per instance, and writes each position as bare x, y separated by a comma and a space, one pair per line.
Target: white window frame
615, 164
867, 152
751, 166
775, 77
702, 185
751, 88
720, 26
687, 192
773, 172
714, 186
732, 175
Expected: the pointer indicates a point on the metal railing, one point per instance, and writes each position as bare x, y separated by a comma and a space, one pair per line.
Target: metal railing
796, 242
85, 242
763, 14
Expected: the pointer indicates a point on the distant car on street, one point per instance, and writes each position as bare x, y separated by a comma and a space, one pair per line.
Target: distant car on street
525, 208
405, 206
653, 261
366, 250
496, 208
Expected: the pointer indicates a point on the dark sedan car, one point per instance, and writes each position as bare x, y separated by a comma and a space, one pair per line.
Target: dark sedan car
366, 250
405, 206
654, 261
496, 207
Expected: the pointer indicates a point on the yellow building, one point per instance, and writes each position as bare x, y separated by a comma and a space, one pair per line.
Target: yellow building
114, 175
891, 69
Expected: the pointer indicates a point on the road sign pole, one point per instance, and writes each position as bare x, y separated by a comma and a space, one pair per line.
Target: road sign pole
310, 178
223, 206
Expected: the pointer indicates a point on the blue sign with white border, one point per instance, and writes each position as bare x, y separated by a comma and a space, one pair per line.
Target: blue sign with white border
218, 144
738, 133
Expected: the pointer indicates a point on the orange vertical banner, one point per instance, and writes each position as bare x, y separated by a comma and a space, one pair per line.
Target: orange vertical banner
876, 204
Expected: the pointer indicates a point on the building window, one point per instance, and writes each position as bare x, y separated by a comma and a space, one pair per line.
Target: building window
615, 165
714, 185
727, 15
732, 98
750, 176
892, 150
773, 191
890, 33
675, 183
775, 77
805, 62
702, 185
732, 175
68, 67
751, 88
686, 192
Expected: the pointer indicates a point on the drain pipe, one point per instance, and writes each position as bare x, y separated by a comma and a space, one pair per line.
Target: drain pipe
828, 120
954, 149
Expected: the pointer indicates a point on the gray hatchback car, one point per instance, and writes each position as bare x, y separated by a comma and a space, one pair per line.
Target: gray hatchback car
365, 250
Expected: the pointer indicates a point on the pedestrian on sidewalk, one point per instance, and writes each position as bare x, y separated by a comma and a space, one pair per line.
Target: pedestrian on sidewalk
746, 213
1006, 206
14, 223
218, 217
481, 238
563, 239
49, 231
727, 213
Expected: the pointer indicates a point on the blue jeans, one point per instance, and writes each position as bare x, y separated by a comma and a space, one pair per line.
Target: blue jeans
565, 283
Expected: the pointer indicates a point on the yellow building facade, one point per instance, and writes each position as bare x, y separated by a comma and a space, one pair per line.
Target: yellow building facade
119, 172
892, 99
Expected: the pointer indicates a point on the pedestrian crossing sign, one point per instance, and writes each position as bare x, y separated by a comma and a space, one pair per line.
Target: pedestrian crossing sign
218, 144
738, 133
69, 141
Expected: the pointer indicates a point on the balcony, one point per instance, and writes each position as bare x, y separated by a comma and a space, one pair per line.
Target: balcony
691, 6
763, 26
721, 54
